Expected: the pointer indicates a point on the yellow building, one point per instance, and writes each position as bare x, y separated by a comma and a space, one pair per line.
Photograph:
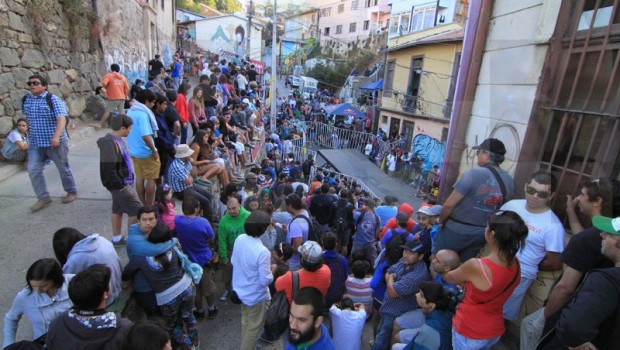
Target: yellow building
420, 78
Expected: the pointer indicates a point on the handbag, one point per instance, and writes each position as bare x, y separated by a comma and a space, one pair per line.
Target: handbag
191, 268
276, 320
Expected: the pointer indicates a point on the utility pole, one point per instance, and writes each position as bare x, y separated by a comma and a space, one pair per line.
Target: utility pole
250, 13
274, 72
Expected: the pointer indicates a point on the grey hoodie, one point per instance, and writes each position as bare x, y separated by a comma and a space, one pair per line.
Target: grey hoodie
95, 249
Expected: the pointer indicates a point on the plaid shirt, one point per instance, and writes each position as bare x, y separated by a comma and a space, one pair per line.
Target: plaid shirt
178, 171
42, 120
406, 284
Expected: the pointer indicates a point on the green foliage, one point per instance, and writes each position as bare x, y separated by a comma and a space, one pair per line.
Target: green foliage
337, 76
188, 5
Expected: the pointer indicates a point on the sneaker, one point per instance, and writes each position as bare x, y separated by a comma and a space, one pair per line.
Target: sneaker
121, 242
249, 145
40, 204
199, 314
224, 296
213, 313
256, 138
70, 197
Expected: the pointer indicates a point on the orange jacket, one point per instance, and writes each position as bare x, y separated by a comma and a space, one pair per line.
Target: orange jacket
116, 86
181, 107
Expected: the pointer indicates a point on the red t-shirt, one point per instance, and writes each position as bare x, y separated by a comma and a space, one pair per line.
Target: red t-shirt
319, 279
480, 314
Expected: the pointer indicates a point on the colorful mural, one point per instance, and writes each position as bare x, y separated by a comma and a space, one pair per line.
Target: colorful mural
132, 61
430, 148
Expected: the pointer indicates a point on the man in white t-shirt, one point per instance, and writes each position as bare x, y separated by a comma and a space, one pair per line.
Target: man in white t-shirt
545, 239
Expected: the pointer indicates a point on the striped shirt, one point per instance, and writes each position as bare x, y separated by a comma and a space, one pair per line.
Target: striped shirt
406, 284
42, 119
360, 292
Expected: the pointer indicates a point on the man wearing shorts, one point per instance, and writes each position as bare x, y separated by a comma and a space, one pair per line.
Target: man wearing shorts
116, 171
117, 88
142, 147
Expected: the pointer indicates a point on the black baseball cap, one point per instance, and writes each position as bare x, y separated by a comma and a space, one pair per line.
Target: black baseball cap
492, 145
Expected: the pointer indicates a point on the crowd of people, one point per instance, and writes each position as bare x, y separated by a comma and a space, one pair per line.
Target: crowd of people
433, 277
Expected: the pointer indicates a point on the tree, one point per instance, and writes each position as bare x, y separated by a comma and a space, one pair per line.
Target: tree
188, 5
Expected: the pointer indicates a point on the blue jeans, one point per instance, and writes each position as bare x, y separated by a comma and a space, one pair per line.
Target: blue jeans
37, 156
463, 343
512, 306
176, 82
384, 333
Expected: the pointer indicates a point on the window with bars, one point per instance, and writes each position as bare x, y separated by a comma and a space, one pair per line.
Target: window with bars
326, 31
354, 5
341, 8
326, 12
339, 29
352, 27
366, 25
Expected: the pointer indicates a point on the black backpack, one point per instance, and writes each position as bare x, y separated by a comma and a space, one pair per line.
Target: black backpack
315, 230
342, 221
397, 240
337, 286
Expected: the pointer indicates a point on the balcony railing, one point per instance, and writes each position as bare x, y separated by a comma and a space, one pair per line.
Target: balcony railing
409, 104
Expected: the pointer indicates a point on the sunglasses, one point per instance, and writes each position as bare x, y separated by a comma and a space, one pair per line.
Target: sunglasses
35, 83
541, 194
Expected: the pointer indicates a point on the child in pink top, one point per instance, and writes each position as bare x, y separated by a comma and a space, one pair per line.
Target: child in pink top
165, 206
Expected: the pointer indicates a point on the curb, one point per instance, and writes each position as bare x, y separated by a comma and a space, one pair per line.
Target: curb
7, 170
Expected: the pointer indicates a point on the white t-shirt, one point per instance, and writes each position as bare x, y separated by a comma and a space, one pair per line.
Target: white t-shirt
295, 184
546, 234
368, 149
347, 326
15, 136
391, 162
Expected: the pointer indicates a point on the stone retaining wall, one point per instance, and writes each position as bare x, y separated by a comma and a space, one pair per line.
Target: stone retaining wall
73, 67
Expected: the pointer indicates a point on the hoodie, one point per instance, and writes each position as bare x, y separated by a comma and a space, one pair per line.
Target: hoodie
116, 86
95, 249
113, 168
393, 224
67, 333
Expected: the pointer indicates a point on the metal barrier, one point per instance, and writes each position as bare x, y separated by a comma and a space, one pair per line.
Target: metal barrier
302, 153
339, 138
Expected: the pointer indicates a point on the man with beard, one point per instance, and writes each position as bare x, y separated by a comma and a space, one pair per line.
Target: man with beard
306, 328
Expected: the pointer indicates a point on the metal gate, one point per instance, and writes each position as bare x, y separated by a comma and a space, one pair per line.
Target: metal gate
574, 129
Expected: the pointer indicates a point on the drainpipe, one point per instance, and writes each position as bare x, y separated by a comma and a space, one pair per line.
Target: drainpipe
476, 29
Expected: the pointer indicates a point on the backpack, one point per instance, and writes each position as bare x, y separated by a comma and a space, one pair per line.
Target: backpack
341, 223
337, 286
315, 230
397, 240
276, 320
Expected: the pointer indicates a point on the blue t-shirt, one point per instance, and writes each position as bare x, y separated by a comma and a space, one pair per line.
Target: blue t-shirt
323, 343
176, 70
385, 213
141, 127
366, 228
195, 235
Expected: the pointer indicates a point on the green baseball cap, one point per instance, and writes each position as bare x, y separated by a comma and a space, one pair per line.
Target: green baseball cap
605, 224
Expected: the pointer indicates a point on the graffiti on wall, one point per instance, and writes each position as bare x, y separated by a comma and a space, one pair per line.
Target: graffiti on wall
505, 132
133, 62
167, 51
240, 41
430, 148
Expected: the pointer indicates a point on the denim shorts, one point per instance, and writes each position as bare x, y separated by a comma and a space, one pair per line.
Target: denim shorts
461, 342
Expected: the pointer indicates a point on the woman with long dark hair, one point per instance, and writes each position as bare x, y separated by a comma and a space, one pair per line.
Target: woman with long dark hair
205, 158
174, 289
489, 282
45, 297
